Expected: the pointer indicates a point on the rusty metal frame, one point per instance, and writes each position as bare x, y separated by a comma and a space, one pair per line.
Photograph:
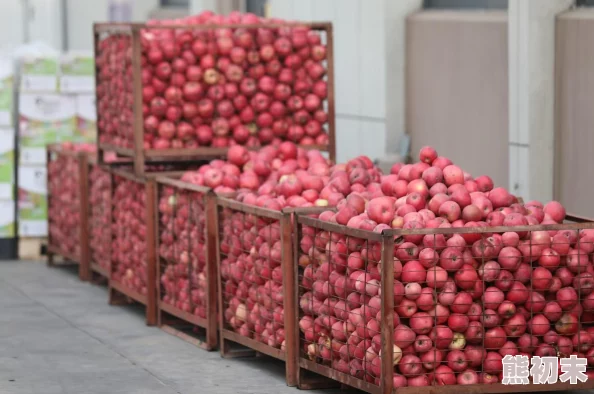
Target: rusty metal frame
82, 260
290, 354
210, 323
117, 290
138, 153
388, 239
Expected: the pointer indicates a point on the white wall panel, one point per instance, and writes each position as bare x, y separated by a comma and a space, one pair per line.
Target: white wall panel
372, 135
372, 60
347, 55
45, 22
281, 8
11, 24
347, 142
324, 10
81, 15
302, 10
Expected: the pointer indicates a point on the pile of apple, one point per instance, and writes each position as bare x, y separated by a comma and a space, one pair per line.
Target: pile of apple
128, 248
99, 216
182, 241
64, 204
275, 177
462, 301
215, 87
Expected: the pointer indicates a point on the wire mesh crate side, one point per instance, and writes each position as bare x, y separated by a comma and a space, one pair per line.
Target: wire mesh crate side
100, 222
462, 299
129, 232
64, 204
114, 91
182, 243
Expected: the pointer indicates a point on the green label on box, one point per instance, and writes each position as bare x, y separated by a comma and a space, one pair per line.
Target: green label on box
7, 167
40, 66
6, 102
7, 222
86, 131
38, 133
32, 206
79, 66
7, 231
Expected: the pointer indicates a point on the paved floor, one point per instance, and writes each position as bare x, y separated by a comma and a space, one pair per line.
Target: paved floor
58, 335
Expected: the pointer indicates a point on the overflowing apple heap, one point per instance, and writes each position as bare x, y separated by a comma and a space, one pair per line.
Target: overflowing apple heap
64, 204
462, 301
215, 87
274, 177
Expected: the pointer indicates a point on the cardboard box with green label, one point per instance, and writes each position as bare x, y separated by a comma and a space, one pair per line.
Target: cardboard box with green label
44, 119
7, 222
86, 118
32, 201
39, 73
6, 163
77, 72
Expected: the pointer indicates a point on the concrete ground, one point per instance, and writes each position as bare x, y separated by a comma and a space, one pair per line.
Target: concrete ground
59, 336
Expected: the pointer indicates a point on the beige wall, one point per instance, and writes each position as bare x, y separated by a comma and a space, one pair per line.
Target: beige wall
457, 88
574, 144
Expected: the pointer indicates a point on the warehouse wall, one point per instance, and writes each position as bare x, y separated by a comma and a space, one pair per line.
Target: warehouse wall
574, 142
82, 15
359, 26
457, 88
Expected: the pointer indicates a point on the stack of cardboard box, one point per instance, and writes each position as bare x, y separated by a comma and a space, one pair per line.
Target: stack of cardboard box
56, 104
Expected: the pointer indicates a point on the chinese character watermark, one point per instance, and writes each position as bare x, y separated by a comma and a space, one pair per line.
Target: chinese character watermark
515, 369
543, 370
573, 369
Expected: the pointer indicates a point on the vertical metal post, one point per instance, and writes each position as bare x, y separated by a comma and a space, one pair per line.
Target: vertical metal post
331, 107
212, 272
84, 269
151, 280
387, 308
138, 121
289, 299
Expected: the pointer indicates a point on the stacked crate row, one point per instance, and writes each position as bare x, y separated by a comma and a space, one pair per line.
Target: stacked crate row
447, 307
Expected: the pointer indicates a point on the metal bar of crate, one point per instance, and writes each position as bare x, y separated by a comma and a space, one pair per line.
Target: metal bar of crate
83, 179
210, 322
109, 27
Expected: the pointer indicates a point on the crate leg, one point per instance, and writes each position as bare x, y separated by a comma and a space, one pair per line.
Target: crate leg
151, 314
227, 352
50, 259
185, 337
311, 381
97, 279
117, 298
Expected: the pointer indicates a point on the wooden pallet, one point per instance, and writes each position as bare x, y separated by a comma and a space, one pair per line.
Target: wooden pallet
32, 248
